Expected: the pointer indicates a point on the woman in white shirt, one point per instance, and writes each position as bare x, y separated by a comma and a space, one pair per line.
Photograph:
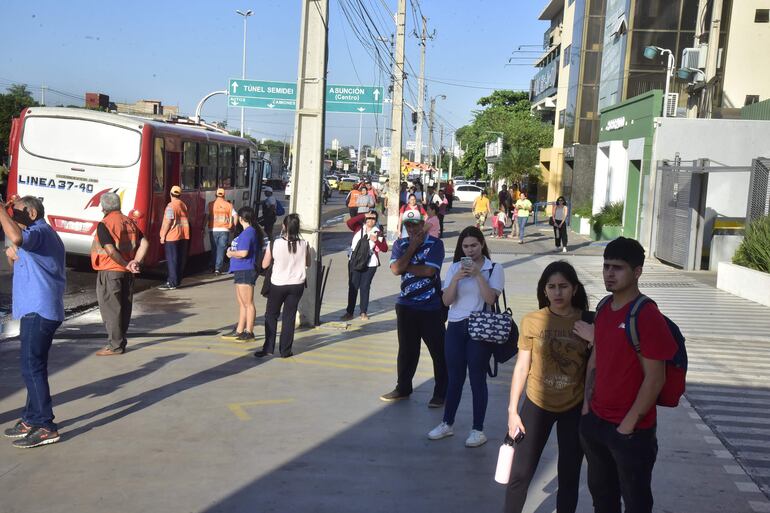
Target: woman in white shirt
290, 258
560, 216
472, 281
363, 226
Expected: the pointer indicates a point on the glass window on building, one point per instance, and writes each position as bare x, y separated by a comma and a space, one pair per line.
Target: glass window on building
762, 16
566, 56
657, 15
562, 120
158, 165
226, 166
189, 165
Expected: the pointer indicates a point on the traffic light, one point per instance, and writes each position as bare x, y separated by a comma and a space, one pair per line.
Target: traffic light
414, 118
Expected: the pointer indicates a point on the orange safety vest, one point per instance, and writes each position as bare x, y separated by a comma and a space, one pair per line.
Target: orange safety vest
354, 194
176, 210
220, 214
124, 232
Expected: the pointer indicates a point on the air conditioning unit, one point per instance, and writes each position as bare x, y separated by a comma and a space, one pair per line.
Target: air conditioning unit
694, 57
670, 105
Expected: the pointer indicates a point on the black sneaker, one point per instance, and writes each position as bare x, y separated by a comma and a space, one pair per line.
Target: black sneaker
261, 354
37, 437
20, 430
167, 286
245, 336
436, 402
393, 396
233, 335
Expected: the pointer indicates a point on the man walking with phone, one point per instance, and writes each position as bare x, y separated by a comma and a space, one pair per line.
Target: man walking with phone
618, 427
420, 315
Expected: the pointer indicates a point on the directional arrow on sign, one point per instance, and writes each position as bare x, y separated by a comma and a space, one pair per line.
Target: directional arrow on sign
361, 109
376, 95
235, 86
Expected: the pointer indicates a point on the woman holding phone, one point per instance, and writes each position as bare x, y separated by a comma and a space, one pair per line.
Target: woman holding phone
472, 282
551, 363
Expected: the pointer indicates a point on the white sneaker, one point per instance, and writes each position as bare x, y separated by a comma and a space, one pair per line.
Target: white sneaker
475, 438
443, 430
564, 249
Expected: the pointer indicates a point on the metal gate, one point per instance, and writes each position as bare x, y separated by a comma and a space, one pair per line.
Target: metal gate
759, 190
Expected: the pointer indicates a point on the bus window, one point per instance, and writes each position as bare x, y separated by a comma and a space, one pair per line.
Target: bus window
158, 166
242, 171
189, 163
208, 171
225, 166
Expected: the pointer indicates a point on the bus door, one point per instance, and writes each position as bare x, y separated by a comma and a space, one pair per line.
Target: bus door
256, 184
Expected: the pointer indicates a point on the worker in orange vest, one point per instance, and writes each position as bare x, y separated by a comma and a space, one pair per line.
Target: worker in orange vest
175, 236
352, 199
117, 251
221, 220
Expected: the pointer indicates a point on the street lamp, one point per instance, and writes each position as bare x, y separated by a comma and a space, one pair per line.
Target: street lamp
652, 53
691, 74
243, 67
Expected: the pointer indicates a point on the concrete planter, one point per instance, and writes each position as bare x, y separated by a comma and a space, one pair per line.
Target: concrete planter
744, 282
607, 233
581, 225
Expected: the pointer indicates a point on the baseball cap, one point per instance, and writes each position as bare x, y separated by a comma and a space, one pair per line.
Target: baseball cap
221, 192
411, 216
176, 190
267, 189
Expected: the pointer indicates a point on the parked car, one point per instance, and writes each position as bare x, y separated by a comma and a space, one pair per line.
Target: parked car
467, 192
346, 184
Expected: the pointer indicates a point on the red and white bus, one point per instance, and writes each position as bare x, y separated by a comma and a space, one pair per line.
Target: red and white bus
70, 157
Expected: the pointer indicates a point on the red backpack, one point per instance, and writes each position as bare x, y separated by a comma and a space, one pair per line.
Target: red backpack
676, 367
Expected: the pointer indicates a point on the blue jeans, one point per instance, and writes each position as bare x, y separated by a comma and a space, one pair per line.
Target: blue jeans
463, 353
176, 258
522, 225
218, 247
36, 338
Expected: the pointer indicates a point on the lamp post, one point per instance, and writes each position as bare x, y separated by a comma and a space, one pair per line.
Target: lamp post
245, 16
651, 53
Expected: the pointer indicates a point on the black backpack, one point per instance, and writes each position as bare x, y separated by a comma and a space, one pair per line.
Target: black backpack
359, 258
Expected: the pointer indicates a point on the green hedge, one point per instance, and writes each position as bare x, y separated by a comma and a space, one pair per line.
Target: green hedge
754, 251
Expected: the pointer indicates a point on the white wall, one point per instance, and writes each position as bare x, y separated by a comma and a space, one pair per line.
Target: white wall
611, 177
728, 142
747, 64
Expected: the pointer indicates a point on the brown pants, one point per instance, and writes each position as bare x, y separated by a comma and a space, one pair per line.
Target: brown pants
115, 294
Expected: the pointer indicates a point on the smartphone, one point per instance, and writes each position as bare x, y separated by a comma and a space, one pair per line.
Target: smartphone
519, 437
466, 262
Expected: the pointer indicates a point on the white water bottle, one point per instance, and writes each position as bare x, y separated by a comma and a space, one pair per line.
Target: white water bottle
505, 459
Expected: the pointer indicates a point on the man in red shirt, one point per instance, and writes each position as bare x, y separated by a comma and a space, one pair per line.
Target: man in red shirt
617, 430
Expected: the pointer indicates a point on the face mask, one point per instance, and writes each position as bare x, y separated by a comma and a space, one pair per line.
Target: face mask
22, 217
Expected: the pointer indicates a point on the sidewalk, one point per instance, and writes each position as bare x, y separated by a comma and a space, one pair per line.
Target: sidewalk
185, 422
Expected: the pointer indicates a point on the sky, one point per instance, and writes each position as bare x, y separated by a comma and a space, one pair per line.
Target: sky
179, 51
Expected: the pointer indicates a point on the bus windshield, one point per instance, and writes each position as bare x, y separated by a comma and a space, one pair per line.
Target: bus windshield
81, 141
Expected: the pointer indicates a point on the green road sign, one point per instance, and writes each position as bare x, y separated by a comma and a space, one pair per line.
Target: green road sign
261, 94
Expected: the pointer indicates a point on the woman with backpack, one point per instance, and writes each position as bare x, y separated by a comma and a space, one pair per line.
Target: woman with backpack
472, 282
551, 363
290, 258
365, 248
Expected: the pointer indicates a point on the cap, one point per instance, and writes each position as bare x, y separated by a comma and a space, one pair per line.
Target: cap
221, 193
411, 216
267, 189
176, 190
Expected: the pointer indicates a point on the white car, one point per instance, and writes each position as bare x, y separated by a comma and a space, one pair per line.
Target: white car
467, 192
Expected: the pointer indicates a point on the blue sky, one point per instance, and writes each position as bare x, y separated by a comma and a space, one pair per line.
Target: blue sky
178, 51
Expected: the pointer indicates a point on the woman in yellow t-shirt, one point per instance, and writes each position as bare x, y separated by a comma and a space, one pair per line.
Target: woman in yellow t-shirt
552, 364
481, 209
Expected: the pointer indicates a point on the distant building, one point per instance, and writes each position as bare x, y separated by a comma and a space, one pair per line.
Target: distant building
153, 108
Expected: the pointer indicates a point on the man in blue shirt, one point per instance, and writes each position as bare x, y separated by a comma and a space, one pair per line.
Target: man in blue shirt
420, 312
37, 256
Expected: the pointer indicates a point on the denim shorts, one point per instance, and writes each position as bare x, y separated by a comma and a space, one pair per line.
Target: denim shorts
248, 277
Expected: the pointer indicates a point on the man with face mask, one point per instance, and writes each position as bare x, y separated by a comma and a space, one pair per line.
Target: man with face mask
117, 251
37, 255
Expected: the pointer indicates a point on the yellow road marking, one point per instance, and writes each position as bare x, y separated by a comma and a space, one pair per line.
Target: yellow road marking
239, 408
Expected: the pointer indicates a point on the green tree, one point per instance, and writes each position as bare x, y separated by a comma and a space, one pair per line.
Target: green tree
505, 113
12, 103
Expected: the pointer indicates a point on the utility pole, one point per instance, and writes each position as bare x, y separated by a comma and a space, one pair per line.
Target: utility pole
707, 93
452, 157
440, 147
397, 123
309, 145
423, 37
430, 130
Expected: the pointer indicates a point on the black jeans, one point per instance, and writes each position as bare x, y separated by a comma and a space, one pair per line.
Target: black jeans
359, 280
440, 225
618, 465
538, 423
288, 296
560, 234
415, 325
